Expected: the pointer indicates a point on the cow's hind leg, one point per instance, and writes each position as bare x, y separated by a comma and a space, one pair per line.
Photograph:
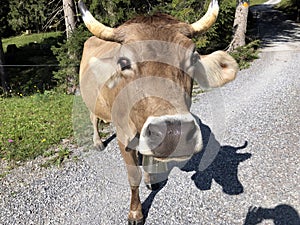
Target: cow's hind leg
135, 216
96, 137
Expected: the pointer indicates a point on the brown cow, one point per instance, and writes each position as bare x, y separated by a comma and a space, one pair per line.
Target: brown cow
139, 76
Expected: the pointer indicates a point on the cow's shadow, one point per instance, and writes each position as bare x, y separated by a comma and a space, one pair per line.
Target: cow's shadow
214, 162
281, 215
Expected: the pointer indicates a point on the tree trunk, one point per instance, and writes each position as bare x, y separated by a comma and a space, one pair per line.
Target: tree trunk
70, 22
239, 25
69, 13
3, 74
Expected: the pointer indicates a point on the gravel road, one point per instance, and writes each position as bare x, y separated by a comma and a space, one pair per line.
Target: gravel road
254, 177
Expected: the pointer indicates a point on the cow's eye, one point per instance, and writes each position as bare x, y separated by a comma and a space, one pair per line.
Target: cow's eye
125, 63
195, 58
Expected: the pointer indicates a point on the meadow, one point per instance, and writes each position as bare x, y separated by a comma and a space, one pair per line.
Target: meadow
30, 125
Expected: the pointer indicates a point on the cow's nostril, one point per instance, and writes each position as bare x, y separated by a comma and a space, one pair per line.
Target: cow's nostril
155, 134
163, 137
153, 131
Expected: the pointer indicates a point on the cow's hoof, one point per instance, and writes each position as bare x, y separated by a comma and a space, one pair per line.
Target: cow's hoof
157, 186
153, 187
136, 222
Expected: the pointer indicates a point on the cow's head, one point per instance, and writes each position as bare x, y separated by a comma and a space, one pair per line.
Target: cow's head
145, 73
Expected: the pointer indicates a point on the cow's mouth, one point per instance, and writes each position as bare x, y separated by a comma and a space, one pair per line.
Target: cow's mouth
153, 164
170, 159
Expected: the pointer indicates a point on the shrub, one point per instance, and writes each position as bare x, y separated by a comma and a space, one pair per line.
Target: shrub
246, 54
68, 54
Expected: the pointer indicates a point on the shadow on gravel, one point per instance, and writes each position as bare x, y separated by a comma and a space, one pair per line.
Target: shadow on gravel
148, 202
109, 139
281, 215
223, 167
272, 25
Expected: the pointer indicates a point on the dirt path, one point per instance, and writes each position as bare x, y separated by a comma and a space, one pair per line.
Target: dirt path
273, 28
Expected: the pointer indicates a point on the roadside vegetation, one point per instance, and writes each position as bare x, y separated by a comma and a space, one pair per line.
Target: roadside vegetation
257, 2
30, 125
291, 8
30, 63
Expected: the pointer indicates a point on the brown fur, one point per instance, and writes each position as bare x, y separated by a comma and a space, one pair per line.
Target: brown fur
155, 27
101, 90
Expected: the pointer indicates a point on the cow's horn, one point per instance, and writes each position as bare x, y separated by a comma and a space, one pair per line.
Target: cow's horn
95, 27
208, 19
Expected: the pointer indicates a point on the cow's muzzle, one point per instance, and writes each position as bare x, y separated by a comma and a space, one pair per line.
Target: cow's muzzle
175, 137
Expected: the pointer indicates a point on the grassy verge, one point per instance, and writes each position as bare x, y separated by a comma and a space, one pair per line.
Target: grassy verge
30, 63
289, 7
257, 2
24, 40
30, 125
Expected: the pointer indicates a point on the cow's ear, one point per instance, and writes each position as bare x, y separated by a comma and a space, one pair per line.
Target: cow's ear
216, 69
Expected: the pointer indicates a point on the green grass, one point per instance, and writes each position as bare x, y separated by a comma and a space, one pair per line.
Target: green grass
30, 125
289, 7
58, 158
286, 4
23, 40
257, 2
32, 64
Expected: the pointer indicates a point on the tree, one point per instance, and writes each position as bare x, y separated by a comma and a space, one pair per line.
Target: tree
70, 16
33, 14
3, 74
3, 30
239, 25
70, 23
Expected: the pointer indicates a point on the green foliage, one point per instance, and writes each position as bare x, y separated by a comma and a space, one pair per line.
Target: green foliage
4, 26
30, 14
246, 54
26, 14
113, 12
219, 36
30, 125
68, 54
256, 2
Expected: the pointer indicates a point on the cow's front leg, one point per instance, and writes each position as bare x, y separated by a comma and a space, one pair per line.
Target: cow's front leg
135, 216
96, 137
155, 181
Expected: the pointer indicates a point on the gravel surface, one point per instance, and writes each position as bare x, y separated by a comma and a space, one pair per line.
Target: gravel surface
261, 108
